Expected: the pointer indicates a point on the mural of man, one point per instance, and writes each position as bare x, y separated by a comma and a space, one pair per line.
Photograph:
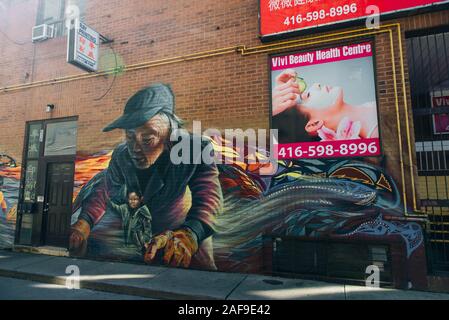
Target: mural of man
184, 199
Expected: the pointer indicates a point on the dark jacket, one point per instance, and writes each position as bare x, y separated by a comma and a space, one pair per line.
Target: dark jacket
177, 195
136, 224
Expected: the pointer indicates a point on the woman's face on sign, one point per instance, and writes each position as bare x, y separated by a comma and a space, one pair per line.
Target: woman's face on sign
320, 97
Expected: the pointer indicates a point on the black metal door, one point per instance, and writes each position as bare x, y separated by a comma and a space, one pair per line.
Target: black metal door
428, 62
58, 199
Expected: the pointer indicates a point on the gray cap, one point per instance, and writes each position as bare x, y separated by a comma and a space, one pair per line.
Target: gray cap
143, 106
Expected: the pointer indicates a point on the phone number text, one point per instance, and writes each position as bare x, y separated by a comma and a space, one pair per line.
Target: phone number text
323, 14
328, 150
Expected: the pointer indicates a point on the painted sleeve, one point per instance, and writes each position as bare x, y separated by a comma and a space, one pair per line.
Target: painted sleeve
94, 206
113, 205
207, 200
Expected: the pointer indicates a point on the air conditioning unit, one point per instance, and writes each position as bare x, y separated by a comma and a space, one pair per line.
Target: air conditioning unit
42, 32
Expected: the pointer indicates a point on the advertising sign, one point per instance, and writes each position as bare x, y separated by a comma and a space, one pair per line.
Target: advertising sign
281, 16
324, 103
440, 121
83, 47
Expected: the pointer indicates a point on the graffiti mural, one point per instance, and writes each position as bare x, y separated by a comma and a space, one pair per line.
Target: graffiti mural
134, 203
310, 198
9, 191
410, 232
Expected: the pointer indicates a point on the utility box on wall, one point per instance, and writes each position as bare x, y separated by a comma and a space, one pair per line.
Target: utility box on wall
26, 230
29, 233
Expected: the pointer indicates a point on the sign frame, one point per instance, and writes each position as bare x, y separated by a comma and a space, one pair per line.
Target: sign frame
77, 58
345, 23
370, 39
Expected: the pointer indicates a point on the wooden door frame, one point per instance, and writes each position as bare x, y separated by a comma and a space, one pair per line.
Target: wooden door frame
39, 225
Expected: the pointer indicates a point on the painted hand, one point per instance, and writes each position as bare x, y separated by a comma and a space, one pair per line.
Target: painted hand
178, 246
79, 233
313, 126
285, 92
347, 130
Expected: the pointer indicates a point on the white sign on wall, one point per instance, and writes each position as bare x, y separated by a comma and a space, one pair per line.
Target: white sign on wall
83, 47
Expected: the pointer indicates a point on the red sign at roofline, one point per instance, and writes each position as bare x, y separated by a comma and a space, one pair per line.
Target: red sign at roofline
281, 16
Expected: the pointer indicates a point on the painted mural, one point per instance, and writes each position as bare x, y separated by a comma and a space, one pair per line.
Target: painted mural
134, 203
311, 198
9, 191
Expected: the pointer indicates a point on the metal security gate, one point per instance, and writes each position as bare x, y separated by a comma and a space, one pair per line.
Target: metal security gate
344, 261
428, 62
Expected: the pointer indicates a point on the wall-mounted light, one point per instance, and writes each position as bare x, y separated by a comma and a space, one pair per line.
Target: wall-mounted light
50, 107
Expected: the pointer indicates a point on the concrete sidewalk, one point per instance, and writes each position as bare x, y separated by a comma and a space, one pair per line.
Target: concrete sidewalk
170, 283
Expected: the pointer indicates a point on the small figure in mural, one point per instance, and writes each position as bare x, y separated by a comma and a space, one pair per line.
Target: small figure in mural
184, 199
328, 115
136, 220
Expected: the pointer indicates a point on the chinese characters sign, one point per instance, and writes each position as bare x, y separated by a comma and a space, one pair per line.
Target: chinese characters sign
83, 45
280, 16
324, 103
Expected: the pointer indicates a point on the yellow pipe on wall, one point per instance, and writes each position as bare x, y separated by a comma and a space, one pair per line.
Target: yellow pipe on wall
176, 59
401, 157
407, 125
137, 66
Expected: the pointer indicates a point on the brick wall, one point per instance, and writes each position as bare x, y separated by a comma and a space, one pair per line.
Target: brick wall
227, 91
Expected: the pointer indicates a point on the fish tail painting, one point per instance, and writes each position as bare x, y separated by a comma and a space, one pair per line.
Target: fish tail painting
315, 199
336, 199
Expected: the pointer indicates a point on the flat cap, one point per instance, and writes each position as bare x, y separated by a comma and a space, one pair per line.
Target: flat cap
144, 105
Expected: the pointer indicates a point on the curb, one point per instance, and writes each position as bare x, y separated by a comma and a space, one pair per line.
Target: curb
105, 287
48, 251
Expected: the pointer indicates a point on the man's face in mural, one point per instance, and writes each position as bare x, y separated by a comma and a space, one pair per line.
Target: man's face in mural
146, 143
134, 200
